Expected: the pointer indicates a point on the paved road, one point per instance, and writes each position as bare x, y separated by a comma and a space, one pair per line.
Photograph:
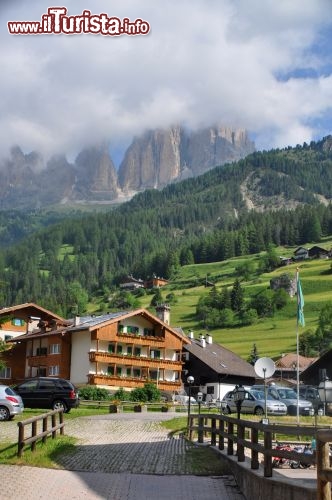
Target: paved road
118, 457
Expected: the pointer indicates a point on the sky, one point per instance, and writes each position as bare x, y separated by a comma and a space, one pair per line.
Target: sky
261, 65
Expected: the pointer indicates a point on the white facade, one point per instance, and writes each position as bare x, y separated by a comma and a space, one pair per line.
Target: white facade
80, 363
216, 391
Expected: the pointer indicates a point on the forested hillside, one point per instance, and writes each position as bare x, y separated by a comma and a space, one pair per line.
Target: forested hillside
205, 219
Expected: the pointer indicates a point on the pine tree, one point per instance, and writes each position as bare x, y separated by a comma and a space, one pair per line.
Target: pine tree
253, 355
237, 296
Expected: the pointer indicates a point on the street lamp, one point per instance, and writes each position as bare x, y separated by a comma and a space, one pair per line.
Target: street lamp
190, 381
325, 392
239, 395
199, 401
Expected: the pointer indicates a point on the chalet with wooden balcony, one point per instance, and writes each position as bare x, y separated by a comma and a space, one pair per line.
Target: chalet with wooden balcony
17, 322
24, 318
124, 349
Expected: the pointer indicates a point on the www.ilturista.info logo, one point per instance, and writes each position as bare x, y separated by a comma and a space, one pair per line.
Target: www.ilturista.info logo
56, 22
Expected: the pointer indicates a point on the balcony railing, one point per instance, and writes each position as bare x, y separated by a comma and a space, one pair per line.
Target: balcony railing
131, 382
139, 338
125, 359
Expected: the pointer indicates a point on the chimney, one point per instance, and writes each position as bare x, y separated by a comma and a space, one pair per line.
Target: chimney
202, 340
164, 312
77, 320
209, 338
191, 334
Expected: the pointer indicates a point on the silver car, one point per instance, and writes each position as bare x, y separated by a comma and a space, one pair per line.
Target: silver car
288, 396
11, 404
254, 402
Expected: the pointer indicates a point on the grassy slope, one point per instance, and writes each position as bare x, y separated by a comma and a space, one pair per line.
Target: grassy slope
273, 336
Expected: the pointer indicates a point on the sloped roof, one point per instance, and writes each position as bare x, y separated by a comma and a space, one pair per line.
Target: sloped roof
289, 360
93, 322
34, 308
221, 360
312, 371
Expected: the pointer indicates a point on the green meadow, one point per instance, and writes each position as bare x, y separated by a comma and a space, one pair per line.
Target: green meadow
273, 336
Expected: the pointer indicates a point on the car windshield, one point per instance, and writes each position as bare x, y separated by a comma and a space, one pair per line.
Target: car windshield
260, 395
287, 394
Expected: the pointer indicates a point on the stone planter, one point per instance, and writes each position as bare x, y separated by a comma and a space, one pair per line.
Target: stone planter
164, 409
137, 408
113, 408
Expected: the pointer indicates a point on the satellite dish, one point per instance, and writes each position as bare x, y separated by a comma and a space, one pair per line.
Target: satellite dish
264, 367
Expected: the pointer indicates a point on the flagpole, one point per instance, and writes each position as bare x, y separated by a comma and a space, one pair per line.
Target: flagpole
299, 319
297, 374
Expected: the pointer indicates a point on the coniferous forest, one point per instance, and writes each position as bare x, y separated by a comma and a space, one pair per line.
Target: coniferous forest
205, 219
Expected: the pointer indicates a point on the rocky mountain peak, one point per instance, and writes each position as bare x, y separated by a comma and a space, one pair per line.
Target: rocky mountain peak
154, 159
162, 156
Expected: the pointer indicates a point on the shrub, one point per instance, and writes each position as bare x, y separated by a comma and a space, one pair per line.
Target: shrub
148, 393
94, 393
120, 395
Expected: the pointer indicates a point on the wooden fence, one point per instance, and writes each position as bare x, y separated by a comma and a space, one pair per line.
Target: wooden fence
35, 435
259, 439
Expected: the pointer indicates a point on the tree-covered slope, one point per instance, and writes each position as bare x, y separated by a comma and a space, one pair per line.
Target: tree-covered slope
204, 219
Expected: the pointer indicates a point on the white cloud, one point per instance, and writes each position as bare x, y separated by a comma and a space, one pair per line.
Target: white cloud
202, 62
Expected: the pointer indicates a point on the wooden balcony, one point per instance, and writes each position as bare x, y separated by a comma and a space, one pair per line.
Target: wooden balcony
131, 382
140, 361
38, 360
134, 338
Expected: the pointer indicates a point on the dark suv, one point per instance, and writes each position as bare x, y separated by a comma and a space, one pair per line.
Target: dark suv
310, 393
48, 392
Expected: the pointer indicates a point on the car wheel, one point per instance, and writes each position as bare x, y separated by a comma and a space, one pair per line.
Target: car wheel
4, 413
259, 410
58, 404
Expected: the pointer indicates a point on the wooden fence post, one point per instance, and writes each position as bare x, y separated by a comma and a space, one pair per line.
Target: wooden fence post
221, 436
323, 462
240, 446
44, 439
267, 458
200, 429
213, 432
254, 453
33, 434
230, 445
20, 444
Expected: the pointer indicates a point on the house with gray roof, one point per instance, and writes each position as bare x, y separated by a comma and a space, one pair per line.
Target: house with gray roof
215, 369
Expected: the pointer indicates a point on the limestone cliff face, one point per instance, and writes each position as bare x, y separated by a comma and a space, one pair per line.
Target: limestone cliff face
96, 175
216, 146
160, 157
152, 160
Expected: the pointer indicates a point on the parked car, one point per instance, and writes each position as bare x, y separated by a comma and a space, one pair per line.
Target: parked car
11, 404
288, 396
183, 398
254, 402
48, 392
310, 393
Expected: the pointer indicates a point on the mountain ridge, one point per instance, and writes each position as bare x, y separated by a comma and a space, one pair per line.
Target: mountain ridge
153, 160
200, 220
